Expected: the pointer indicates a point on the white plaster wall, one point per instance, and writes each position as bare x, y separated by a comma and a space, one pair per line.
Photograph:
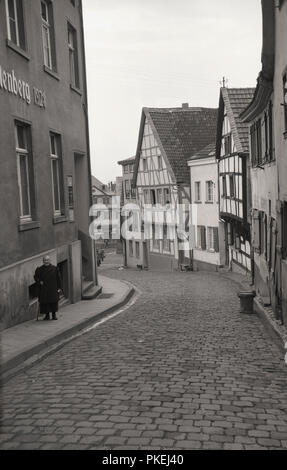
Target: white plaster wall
207, 214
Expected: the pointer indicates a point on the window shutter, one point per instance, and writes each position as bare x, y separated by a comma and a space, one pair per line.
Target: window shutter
203, 238
216, 239
256, 231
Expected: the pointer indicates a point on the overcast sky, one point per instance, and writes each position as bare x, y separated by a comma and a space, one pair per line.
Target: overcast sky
161, 53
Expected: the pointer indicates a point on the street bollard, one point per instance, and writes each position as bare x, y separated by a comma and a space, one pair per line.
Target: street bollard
246, 301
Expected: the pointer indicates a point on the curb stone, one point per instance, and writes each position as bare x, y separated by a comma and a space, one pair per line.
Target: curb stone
29, 357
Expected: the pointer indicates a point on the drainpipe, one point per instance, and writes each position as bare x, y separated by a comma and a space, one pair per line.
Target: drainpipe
85, 109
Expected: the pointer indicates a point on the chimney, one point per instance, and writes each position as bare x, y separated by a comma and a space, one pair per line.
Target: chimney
185, 105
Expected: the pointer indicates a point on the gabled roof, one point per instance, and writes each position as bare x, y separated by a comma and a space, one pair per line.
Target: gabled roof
235, 100
101, 186
127, 161
206, 152
180, 133
264, 86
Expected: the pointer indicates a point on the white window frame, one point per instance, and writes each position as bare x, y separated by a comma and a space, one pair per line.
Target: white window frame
16, 22
209, 189
23, 152
46, 27
55, 157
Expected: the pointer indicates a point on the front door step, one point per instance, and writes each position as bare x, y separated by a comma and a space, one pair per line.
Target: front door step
92, 293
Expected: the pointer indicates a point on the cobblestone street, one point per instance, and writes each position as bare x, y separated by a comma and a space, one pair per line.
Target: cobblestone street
180, 369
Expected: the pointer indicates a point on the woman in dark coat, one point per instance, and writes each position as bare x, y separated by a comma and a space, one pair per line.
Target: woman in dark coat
49, 283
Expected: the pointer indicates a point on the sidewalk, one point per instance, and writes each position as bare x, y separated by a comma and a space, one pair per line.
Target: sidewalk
266, 314
28, 342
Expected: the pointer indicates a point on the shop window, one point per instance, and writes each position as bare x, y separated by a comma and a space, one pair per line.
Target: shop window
48, 35
73, 57
15, 22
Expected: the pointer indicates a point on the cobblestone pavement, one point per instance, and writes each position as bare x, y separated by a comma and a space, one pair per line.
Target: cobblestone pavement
181, 369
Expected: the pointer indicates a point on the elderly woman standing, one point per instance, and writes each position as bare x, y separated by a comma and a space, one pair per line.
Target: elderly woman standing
49, 283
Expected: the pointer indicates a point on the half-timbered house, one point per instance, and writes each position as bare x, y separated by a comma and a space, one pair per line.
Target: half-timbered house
232, 152
167, 139
267, 119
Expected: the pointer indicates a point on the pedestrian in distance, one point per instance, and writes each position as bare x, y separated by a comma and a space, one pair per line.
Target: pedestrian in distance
49, 284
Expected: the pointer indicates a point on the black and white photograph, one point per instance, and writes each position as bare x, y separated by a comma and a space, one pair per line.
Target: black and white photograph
143, 242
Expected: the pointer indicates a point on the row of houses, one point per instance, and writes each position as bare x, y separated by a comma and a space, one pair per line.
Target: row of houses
45, 169
228, 167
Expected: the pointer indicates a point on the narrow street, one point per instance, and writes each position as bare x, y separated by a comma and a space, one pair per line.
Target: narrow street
181, 369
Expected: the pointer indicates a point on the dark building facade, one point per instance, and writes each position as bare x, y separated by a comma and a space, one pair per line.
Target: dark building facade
45, 188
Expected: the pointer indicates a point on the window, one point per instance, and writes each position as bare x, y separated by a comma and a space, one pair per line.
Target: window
256, 143
224, 187
131, 167
212, 239
232, 185
25, 171
259, 141
284, 230
201, 237
15, 22
209, 191
159, 162
197, 191
127, 189
146, 196
166, 241
56, 169
70, 197
227, 144
166, 196
152, 197
131, 250
126, 168
270, 125
155, 239
48, 35
159, 196
144, 164
137, 250
73, 57
285, 100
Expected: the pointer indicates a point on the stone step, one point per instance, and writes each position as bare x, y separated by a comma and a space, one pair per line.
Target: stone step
92, 292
